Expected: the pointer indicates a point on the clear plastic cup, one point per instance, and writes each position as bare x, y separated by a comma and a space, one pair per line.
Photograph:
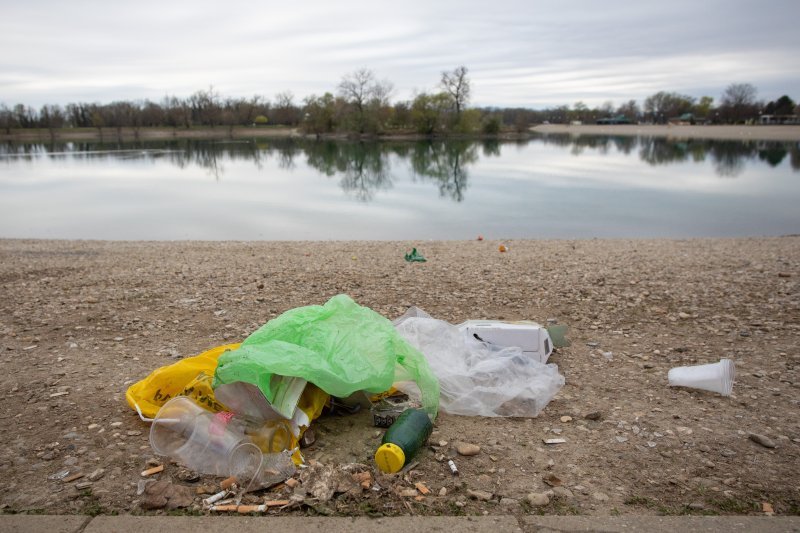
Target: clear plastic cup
203, 441
715, 377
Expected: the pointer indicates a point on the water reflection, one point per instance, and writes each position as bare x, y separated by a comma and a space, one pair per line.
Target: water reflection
727, 156
546, 187
364, 169
445, 163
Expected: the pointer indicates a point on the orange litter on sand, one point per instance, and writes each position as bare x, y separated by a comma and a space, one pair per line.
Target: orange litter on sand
503, 248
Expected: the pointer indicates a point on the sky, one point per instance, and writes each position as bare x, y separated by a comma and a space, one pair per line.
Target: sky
527, 53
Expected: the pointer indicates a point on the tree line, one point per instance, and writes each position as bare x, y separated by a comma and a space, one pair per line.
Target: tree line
361, 104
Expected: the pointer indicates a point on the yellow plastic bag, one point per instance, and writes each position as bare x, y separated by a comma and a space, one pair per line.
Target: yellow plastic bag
169, 381
193, 376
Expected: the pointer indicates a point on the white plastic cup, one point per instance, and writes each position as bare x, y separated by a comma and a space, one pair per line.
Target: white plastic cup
206, 442
715, 377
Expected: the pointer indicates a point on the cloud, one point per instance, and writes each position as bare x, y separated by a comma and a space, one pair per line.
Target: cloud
530, 53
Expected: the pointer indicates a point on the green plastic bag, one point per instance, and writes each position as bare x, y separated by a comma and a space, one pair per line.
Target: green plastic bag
341, 347
415, 256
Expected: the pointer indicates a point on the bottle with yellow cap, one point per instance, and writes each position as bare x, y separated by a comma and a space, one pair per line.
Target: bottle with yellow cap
403, 440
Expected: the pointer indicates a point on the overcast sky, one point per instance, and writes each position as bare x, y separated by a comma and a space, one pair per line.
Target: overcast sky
528, 53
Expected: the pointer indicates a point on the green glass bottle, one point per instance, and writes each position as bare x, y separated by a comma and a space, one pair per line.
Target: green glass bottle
403, 440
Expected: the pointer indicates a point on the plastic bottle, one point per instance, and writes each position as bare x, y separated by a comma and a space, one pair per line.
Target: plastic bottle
403, 440
210, 443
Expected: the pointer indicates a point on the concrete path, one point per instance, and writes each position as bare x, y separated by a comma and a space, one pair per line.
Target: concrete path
404, 524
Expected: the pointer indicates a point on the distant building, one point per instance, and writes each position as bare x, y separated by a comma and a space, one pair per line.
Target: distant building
778, 119
687, 119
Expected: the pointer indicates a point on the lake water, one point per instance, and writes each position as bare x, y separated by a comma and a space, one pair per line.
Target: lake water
554, 186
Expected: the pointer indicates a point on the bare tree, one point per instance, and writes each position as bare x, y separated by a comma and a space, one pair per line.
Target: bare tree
457, 85
739, 102
367, 95
356, 87
284, 111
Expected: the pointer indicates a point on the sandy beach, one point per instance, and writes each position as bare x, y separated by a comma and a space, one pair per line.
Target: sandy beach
82, 320
727, 132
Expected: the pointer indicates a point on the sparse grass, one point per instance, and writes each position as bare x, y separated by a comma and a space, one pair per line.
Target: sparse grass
455, 510
639, 500
734, 506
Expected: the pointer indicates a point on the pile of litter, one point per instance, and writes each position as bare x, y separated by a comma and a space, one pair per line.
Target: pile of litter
243, 411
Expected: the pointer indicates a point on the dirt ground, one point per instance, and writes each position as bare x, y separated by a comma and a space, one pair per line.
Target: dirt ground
82, 320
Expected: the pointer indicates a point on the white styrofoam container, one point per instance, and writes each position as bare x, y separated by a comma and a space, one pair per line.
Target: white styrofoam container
530, 336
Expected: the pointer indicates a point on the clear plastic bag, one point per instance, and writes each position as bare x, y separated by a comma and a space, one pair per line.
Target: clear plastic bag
477, 379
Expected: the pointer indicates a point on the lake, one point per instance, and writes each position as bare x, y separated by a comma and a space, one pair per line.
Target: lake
552, 186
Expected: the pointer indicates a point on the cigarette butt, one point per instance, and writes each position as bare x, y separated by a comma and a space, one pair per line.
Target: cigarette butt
72, 478
277, 503
422, 488
251, 509
452, 466
214, 498
225, 484
223, 508
154, 470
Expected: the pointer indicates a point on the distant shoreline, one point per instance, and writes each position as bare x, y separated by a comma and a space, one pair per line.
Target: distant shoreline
738, 132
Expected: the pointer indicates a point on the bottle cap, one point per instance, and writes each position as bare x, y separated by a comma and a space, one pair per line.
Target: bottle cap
390, 458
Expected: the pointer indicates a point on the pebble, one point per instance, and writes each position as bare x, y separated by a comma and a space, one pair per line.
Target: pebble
83, 485
562, 492
600, 496
133, 433
188, 476
508, 501
537, 499
594, 415
696, 506
97, 474
116, 424
762, 440
70, 461
552, 480
621, 439
467, 449
481, 495
566, 419
443, 491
